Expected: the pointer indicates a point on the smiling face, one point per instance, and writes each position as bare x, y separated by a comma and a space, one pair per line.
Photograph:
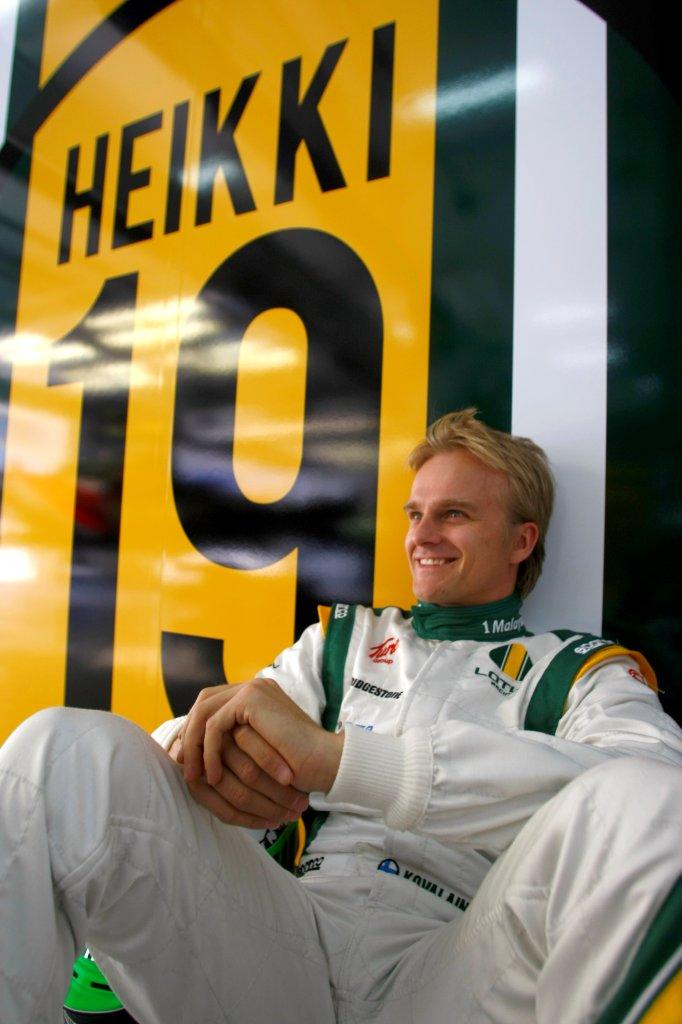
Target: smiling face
461, 546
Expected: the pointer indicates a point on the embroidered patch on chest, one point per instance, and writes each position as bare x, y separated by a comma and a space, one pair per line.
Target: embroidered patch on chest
381, 652
513, 660
503, 686
376, 691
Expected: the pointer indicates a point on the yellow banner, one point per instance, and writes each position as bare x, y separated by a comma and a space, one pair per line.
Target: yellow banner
211, 127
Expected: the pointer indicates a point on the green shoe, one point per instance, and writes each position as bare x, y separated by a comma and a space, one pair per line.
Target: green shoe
90, 997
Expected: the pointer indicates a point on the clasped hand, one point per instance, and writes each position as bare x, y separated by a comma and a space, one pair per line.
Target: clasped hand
251, 755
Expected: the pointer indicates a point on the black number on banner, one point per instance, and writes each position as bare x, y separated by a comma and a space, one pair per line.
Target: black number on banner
329, 513
188, 664
97, 354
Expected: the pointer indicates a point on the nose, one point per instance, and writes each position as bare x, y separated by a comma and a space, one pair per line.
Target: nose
425, 530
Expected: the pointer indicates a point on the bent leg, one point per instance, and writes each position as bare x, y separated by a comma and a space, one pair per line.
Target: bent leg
555, 932
102, 845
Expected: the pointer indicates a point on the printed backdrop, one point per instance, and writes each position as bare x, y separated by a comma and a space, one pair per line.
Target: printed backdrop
248, 252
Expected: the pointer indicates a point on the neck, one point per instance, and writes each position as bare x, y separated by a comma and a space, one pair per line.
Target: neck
497, 620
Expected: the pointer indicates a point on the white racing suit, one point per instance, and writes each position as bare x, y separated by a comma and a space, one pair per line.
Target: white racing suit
454, 753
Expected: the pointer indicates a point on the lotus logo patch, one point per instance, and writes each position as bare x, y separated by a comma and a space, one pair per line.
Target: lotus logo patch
380, 652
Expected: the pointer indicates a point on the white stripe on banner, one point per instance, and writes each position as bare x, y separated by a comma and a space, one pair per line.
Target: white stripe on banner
560, 293
8, 25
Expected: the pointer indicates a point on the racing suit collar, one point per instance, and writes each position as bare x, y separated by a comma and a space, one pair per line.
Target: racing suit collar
499, 620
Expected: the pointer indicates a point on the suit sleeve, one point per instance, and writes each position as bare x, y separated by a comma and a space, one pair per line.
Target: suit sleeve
464, 783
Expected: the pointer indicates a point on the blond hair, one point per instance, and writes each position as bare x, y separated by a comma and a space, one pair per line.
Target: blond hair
531, 484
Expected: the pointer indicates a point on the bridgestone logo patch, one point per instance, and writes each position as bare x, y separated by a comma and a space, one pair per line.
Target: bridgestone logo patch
376, 691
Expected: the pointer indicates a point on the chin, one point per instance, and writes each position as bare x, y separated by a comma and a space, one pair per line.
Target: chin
442, 596
430, 596
443, 590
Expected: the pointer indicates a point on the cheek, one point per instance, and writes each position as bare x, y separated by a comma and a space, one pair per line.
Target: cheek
498, 551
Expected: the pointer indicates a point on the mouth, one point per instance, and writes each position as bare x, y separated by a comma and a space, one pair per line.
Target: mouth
430, 562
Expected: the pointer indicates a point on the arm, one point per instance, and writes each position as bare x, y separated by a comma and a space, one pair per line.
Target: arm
167, 733
254, 789
261, 712
466, 783
251, 783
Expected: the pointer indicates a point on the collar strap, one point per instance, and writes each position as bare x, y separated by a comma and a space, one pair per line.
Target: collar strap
499, 620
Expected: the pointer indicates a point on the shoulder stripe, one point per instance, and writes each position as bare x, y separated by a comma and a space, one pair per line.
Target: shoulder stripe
621, 652
338, 629
547, 704
282, 849
300, 835
336, 641
323, 613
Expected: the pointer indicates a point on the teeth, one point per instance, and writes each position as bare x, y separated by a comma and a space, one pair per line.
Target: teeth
432, 561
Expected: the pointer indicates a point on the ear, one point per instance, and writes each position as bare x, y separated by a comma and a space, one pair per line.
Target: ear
525, 538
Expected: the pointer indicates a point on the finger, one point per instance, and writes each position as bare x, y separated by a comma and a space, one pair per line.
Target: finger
249, 773
193, 731
206, 704
218, 806
216, 730
249, 801
218, 725
265, 756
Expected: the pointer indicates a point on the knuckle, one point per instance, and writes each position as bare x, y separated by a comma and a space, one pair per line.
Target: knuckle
238, 797
248, 772
207, 692
270, 763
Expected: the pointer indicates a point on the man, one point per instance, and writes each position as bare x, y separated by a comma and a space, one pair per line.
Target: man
455, 741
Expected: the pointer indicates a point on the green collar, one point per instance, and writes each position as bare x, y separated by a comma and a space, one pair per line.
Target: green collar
499, 620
